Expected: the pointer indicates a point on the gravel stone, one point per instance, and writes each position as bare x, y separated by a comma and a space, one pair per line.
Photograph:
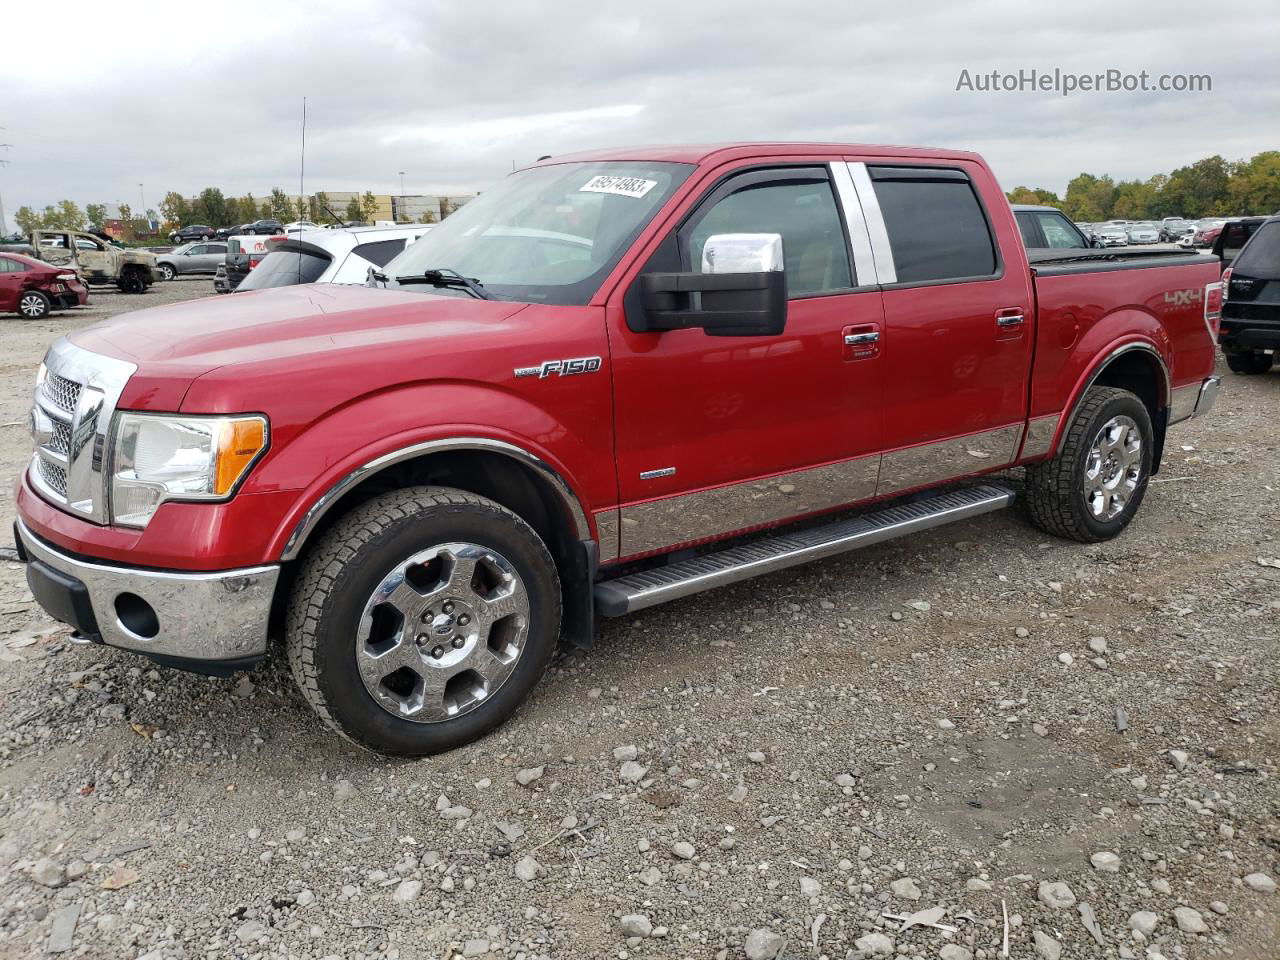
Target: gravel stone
683, 850
1260, 882
1144, 921
407, 891
1047, 948
906, 888
529, 775
635, 925
875, 944
1056, 895
764, 945
1189, 920
1105, 862
48, 874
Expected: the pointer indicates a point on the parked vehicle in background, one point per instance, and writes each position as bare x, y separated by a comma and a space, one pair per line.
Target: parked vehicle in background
197, 231
263, 227
331, 256
1250, 331
192, 258
1171, 228
226, 233
220, 282
1047, 231
299, 225
1233, 236
97, 261
244, 253
1113, 236
533, 419
33, 289
1204, 233
1143, 233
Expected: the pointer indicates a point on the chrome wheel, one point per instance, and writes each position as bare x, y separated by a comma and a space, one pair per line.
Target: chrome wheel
442, 632
32, 306
1113, 468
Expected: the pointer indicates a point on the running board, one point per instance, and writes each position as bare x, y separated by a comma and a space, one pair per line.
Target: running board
635, 591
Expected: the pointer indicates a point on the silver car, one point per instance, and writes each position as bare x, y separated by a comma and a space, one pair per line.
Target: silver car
191, 258
1143, 233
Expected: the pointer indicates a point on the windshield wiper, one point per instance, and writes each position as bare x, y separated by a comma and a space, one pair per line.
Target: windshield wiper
449, 278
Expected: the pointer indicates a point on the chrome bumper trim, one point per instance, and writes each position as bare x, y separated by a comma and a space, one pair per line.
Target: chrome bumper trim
202, 616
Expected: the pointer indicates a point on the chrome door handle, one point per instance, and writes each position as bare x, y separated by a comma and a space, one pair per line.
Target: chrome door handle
1016, 320
852, 339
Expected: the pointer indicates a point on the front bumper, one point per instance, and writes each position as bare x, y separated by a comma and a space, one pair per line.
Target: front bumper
188, 619
1194, 399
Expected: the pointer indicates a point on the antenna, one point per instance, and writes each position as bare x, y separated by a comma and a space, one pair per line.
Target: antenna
302, 173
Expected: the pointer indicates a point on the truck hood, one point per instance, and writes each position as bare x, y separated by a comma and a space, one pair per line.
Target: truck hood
197, 336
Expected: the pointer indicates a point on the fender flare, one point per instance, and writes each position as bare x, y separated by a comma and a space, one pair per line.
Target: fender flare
307, 524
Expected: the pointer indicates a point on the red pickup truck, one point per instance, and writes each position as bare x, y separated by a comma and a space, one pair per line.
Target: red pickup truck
612, 380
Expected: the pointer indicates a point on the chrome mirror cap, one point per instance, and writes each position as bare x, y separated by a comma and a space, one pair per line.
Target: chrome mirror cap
742, 253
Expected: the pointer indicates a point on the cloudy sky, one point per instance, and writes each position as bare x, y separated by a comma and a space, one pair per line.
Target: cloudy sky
453, 93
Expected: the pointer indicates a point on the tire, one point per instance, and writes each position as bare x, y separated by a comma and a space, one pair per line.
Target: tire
376, 684
131, 282
34, 305
1071, 496
1249, 363
167, 272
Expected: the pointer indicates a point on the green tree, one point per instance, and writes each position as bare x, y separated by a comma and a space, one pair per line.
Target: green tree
1038, 196
264, 210
1089, 198
70, 216
210, 208
1200, 189
1254, 187
175, 209
1135, 200
354, 210
26, 219
281, 205
127, 223
368, 206
321, 209
97, 214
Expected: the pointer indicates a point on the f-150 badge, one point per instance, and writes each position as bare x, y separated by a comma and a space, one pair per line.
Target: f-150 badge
561, 368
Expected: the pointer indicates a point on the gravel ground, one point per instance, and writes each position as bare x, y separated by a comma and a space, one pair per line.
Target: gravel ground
764, 771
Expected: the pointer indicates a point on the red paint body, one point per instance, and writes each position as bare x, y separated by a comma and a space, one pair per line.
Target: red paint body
347, 374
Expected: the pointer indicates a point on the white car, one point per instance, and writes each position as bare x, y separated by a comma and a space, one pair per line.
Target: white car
1112, 236
330, 256
299, 225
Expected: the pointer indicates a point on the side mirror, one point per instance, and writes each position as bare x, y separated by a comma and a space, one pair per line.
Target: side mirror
741, 291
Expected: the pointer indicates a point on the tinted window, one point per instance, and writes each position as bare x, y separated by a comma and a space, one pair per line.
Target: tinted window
11, 266
814, 252
1261, 255
285, 268
198, 249
1027, 227
215, 248
380, 253
936, 228
1058, 231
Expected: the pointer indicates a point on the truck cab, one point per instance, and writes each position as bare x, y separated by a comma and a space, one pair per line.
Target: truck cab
613, 380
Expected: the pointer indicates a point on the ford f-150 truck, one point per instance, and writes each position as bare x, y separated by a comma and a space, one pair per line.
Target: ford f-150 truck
612, 380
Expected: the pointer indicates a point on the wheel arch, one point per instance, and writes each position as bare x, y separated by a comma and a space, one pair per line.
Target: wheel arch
1138, 367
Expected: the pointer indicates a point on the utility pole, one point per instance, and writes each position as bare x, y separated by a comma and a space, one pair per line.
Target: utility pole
142, 199
3, 229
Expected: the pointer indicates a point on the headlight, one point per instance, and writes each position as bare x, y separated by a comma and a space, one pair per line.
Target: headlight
159, 458
42, 375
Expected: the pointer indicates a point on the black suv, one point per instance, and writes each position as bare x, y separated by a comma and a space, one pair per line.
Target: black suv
268, 227
1250, 332
197, 231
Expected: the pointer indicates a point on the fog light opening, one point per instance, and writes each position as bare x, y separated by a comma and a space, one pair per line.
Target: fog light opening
137, 616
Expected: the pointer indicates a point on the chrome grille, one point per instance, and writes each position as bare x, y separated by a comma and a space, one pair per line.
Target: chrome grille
61, 392
70, 419
54, 476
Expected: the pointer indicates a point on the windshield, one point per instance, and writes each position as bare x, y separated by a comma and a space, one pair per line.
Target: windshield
546, 234
1260, 257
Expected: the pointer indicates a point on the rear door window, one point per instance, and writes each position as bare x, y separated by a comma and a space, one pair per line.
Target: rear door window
1260, 257
380, 252
1031, 238
1059, 233
937, 228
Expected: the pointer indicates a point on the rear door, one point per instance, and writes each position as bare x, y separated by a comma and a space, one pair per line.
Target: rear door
212, 255
11, 272
958, 315
53, 246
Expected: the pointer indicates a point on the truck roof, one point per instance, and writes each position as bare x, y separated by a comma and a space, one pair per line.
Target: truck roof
720, 152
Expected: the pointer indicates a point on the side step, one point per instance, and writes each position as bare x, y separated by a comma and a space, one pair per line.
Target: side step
635, 591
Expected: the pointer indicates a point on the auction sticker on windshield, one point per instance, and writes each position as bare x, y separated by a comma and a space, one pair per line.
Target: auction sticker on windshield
622, 186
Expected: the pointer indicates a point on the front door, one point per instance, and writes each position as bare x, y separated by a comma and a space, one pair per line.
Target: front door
722, 434
95, 260
54, 246
958, 322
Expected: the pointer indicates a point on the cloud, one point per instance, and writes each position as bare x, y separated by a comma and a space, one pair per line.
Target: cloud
456, 93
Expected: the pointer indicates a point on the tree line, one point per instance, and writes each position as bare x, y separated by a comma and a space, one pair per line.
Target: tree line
1212, 187
210, 207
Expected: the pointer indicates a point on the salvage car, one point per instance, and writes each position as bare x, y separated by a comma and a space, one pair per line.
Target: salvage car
97, 261
1250, 331
610, 381
33, 289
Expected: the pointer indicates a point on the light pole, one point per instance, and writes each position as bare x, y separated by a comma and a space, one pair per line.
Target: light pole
142, 199
402, 183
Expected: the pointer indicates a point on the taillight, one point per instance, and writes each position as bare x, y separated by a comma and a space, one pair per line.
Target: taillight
254, 261
1226, 279
1213, 306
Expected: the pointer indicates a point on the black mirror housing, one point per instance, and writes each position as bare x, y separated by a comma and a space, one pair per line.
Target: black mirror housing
722, 304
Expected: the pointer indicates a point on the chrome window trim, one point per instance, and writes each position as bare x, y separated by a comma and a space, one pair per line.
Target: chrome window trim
1093, 378
304, 527
864, 267
877, 233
